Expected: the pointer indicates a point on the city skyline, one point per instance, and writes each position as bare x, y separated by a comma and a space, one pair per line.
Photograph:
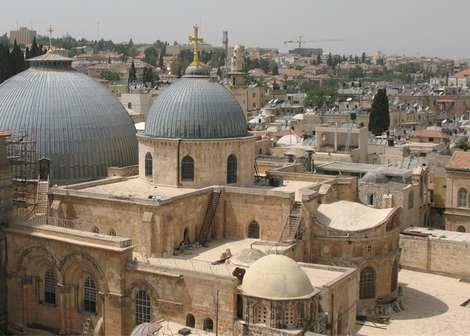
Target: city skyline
416, 28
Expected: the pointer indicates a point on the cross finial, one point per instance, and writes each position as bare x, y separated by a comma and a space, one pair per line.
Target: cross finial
50, 51
195, 39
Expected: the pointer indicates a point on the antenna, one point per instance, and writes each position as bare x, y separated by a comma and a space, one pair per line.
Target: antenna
97, 31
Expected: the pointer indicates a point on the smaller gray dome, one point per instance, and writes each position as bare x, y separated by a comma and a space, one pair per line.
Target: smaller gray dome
374, 177
194, 70
246, 257
196, 107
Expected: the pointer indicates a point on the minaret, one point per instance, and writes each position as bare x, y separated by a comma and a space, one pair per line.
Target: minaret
225, 42
237, 76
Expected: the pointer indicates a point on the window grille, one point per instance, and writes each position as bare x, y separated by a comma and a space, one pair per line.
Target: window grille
89, 295
367, 284
148, 165
253, 230
232, 169
187, 168
49, 287
142, 307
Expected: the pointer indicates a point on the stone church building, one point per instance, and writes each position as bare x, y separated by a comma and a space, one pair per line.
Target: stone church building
192, 237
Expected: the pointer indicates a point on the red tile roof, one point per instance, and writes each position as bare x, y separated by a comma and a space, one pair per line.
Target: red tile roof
460, 160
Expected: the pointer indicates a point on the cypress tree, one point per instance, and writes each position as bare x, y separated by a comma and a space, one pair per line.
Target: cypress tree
4, 62
132, 73
17, 63
379, 118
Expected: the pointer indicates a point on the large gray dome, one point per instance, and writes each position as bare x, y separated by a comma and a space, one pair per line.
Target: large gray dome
78, 123
196, 107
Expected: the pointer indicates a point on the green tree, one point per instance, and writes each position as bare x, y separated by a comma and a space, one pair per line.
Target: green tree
357, 72
320, 97
379, 118
148, 76
109, 75
4, 62
132, 73
318, 59
17, 63
273, 68
161, 63
329, 61
5, 40
151, 56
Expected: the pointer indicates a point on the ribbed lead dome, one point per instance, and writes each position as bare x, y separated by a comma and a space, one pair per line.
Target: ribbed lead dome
78, 123
196, 107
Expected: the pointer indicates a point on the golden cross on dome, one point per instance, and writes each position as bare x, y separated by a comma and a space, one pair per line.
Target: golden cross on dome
50, 51
195, 39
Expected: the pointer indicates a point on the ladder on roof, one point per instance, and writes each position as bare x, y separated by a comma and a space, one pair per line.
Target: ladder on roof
348, 139
41, 197
291, 227
209, 217
86, 326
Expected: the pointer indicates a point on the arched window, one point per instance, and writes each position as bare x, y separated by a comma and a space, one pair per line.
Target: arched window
96, 230
261, 313
411, 200
187, 169
112, 232
142, 307
461, 228
367, 284
370, 199
253, 230
232, 169
190, 321
129, 106
89, 295
289, 316
208, 324
148, 165
394, 275
462, 198
49, 287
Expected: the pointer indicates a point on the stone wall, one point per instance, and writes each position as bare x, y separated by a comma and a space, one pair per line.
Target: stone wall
210, 161
436, 254
174, 293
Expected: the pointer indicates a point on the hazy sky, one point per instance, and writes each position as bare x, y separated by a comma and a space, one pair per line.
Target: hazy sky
410, 27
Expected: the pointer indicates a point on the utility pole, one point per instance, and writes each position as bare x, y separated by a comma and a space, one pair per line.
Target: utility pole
97, 31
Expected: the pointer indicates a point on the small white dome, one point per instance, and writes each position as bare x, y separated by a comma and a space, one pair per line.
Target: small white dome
276, 276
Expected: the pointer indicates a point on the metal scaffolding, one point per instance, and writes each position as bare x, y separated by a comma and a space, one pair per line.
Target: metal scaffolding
21, 153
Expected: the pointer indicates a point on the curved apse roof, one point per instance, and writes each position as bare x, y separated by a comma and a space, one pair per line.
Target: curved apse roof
77, 122
196, 107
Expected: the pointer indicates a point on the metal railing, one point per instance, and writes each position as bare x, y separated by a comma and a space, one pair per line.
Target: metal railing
198, 266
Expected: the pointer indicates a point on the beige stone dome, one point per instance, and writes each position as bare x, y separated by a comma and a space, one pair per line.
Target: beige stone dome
276, 276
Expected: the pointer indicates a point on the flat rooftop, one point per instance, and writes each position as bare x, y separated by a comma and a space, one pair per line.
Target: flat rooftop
135, 188
432, 307
351, 167
442, 234
319, 275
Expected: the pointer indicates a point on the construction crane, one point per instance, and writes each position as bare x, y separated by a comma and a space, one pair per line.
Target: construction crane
299, 41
